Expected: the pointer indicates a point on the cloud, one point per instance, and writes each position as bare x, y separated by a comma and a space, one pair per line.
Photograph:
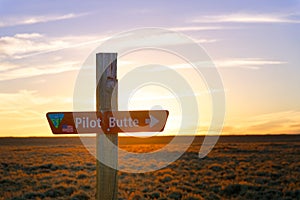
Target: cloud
25, 100
31, 44
27, 20
28, 35
248, 18
5, 66
196, 28
280, 122
24, 112
271, 123
22, 45
249, 63
206, 41
31, 54
246, 63
24, 71
148, 96
296, 125
199, 28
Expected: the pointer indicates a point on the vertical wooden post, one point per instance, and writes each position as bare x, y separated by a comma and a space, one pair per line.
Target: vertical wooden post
106, 146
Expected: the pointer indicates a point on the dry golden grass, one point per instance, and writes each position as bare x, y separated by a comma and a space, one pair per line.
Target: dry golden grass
65, 170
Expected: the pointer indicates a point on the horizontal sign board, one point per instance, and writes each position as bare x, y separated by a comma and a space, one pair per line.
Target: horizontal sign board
107, 122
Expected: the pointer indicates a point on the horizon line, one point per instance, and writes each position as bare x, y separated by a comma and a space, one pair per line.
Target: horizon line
147, 137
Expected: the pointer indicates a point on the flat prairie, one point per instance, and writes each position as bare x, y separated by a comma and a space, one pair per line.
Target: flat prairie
238, 167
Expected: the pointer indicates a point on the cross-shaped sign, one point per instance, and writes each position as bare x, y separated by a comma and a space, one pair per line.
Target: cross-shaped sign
107, 121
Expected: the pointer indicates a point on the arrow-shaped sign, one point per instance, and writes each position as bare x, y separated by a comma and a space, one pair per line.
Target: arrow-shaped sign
151, 121
107, 122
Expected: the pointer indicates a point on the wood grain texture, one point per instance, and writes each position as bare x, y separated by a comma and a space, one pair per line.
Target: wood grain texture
107, 151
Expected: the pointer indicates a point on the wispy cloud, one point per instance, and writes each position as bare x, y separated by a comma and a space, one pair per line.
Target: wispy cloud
25, 71
196, 28
20, 45
246, 63
24, 111
202, 41
147, 96
249, 18
278, 122
27, 20
271, 123
249, 63
25, 45
33, 54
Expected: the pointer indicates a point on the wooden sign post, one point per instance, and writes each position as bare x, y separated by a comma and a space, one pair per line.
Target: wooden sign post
107, 122
106, 100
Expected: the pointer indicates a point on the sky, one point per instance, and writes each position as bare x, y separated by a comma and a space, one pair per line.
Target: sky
254, 45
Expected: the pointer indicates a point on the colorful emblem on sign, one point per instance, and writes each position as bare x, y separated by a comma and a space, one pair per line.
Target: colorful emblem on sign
56, 119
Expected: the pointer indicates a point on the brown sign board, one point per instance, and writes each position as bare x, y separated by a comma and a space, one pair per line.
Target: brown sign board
107, 122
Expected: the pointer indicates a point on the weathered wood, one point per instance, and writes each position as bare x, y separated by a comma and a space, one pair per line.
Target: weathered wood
107, 151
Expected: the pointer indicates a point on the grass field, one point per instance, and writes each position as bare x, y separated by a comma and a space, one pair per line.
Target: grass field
265, 167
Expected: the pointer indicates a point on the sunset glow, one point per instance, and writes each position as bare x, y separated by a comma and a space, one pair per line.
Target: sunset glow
255, 49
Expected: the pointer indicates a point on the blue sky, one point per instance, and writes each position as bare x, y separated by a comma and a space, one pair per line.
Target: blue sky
254, 44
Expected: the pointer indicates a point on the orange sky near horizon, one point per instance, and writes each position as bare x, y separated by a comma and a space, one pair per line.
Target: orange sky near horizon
253, 44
